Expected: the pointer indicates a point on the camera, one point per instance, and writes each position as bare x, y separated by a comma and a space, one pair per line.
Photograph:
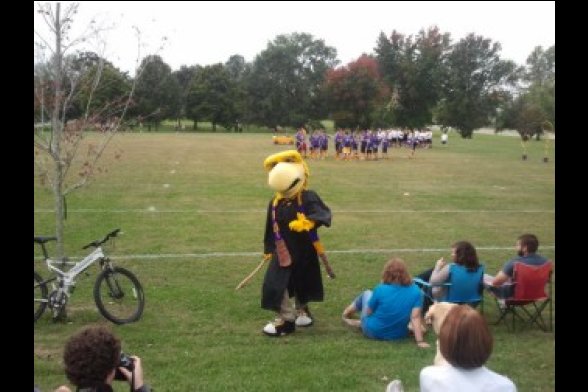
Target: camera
125, 362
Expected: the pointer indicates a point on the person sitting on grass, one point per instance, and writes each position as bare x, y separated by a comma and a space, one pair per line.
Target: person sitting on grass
386, 311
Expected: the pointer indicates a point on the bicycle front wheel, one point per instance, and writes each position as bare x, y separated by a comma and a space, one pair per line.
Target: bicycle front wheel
119, 295
40, 296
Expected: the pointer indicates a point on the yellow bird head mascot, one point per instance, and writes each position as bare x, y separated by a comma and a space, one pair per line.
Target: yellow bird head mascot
287, 173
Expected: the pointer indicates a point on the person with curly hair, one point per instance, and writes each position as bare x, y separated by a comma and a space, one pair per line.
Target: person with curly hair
92, 357
386, 311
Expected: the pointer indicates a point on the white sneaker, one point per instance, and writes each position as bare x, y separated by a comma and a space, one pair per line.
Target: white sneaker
395, 386
304, 318
279, 328
501, 304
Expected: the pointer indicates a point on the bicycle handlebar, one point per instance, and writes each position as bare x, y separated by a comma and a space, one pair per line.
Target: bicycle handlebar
97, 243
41, 240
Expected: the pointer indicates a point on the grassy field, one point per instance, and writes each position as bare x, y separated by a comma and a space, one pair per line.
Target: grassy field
192, 209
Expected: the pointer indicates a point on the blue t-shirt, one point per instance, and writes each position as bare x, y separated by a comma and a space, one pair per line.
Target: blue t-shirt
530, 259
391, 306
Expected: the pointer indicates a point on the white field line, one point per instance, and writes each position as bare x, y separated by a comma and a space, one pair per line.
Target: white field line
253, 254
153, 210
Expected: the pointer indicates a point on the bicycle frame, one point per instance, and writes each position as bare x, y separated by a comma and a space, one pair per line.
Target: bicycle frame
67, 277
118, 294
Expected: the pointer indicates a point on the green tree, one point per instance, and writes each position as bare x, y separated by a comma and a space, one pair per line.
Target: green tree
413, 69
534, 104
284, 85
522, 115
540, 74
388, 52
184, 78
541, 66
157, 95
237, 67
211, 96
475, 78
238, 70
103, 98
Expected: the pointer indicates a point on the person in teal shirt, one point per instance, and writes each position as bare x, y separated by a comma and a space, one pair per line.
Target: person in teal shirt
386, 311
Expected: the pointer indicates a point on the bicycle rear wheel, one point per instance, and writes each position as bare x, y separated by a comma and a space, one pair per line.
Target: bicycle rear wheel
119, 295
40, 296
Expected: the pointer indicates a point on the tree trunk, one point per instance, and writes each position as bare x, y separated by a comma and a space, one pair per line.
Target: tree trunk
213, 126
57, 136
59, 212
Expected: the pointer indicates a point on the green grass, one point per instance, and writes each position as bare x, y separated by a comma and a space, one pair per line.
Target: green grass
199, 334
206, 126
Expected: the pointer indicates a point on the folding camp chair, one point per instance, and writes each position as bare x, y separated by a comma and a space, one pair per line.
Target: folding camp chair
462, 287
529, 297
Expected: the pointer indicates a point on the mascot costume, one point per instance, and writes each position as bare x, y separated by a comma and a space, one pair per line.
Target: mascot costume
291, 244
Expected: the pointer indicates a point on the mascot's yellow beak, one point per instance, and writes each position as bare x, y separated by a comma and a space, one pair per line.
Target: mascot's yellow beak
288, 172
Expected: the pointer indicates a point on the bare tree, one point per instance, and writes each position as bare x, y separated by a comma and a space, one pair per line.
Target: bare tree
59, 82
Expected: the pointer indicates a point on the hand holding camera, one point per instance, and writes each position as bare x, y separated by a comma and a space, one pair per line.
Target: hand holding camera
125, 362
130, 369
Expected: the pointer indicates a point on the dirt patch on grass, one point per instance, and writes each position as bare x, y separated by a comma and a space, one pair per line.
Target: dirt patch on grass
48, 353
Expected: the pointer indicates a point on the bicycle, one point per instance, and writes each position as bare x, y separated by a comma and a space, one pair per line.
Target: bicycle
117, 292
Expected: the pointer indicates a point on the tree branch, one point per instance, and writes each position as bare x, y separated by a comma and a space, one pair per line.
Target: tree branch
42, 144
45, 43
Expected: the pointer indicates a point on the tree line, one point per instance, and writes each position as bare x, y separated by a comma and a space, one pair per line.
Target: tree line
410, 81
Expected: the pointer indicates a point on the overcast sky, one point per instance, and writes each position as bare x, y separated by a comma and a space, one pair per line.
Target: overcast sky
210, 32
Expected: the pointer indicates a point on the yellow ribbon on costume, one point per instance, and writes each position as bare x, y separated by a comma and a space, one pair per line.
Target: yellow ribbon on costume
276, 199
301, 223
318, 246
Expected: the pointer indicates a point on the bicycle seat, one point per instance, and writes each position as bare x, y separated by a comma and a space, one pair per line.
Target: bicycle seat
42, 239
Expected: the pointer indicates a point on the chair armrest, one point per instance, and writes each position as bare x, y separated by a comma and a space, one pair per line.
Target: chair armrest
421, 282
505, 284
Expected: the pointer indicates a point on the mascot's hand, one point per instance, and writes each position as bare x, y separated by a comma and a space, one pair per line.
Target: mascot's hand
267, 256
301, 223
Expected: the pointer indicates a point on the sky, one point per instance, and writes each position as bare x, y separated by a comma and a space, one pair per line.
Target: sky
209, 32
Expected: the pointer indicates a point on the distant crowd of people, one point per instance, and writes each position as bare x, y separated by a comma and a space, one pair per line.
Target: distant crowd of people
364, 144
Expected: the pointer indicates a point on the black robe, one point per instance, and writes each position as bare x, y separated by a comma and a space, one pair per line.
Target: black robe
303, 277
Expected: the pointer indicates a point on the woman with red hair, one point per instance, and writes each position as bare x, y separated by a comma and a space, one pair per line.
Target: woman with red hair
386, 311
